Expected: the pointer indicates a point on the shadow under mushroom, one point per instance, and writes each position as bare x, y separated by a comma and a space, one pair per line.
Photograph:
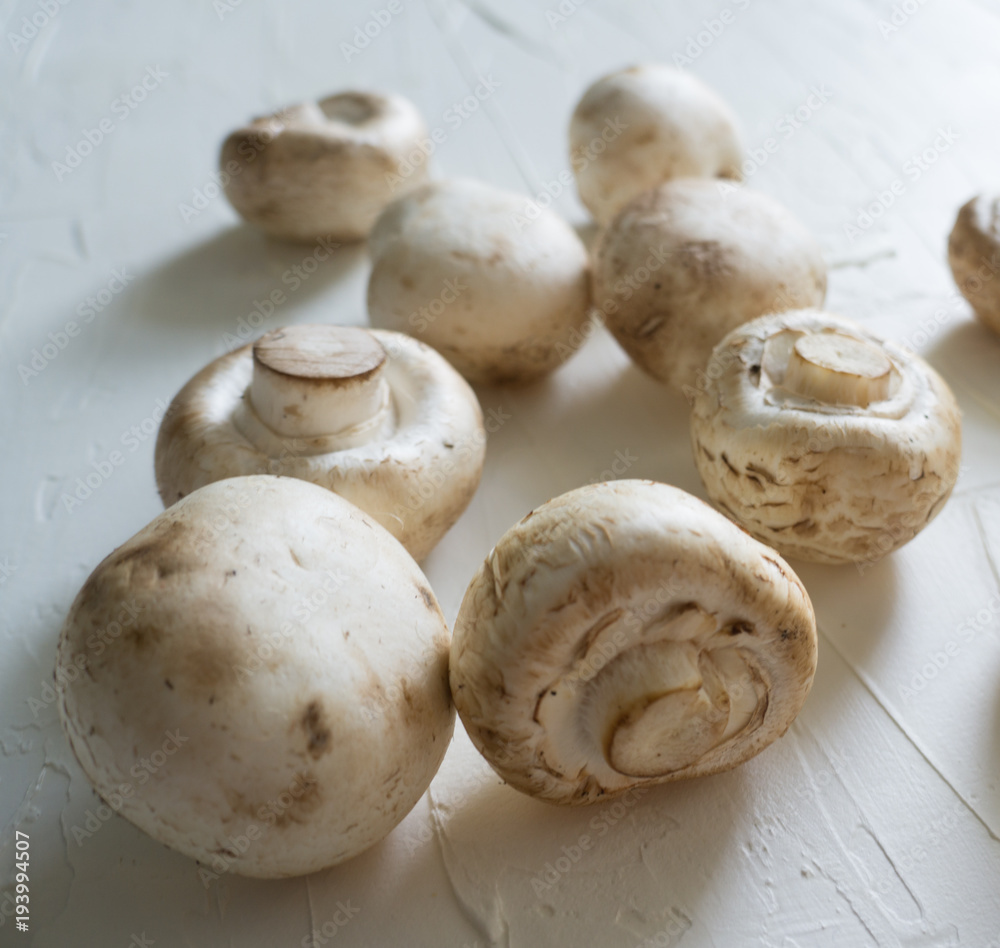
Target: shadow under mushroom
213, 285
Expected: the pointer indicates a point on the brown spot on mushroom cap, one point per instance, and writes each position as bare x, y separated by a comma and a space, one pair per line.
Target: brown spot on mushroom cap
305, 801
317, 732
427, 596
142, 637
291, 805
207, 663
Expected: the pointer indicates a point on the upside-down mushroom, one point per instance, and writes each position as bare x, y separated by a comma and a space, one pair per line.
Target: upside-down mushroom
824, 440
323, 169
376, 417
279, 699
626, 634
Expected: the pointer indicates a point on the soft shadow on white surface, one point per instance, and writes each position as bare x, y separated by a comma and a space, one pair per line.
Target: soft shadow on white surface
101, 882
871, 588
597, 418
214, 283
522, 867
967, 355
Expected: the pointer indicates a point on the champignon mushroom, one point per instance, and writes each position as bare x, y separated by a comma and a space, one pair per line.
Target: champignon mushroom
457, 264
264, 680
376, 417
824, 440
639, 127
324, 169
626, 634
685, 263
974, 255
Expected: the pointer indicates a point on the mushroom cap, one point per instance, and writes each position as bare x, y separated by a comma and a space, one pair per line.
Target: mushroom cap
626, 634
974, 255
662, 123
324, 169
279, 699
819, 478
458, 264
691, 260
414, 474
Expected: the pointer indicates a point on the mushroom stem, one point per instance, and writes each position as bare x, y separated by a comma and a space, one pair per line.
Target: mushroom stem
303, 114
838, 369
351, 108
310, 381
672, 716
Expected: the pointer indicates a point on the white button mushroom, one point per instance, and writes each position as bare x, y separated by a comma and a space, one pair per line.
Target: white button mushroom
626, 634
279, 699
685, 263
323, 169
457, 264
637, 128
974, 255
822, 439
376, 417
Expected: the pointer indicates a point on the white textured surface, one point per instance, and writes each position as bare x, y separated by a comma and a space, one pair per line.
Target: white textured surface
874, 822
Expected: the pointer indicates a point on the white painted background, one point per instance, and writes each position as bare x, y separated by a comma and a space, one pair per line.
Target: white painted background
874, 822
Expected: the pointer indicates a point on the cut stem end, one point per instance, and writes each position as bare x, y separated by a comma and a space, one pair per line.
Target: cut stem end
309, 380
838, 369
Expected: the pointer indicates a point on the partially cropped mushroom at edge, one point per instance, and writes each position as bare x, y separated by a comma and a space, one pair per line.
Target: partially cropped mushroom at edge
458, 265
377, 417
682, 265
974, 255
824, 440
324, 169
258, 679
634, 129
626, 634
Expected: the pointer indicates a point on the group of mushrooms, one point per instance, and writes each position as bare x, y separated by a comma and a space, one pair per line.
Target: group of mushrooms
622, 634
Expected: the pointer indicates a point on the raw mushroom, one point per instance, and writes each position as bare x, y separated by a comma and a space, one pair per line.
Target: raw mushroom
626, 634
974, 255
685, 263
639, 127
459, 264
279, 699
824, 440
376, 417
324, 169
